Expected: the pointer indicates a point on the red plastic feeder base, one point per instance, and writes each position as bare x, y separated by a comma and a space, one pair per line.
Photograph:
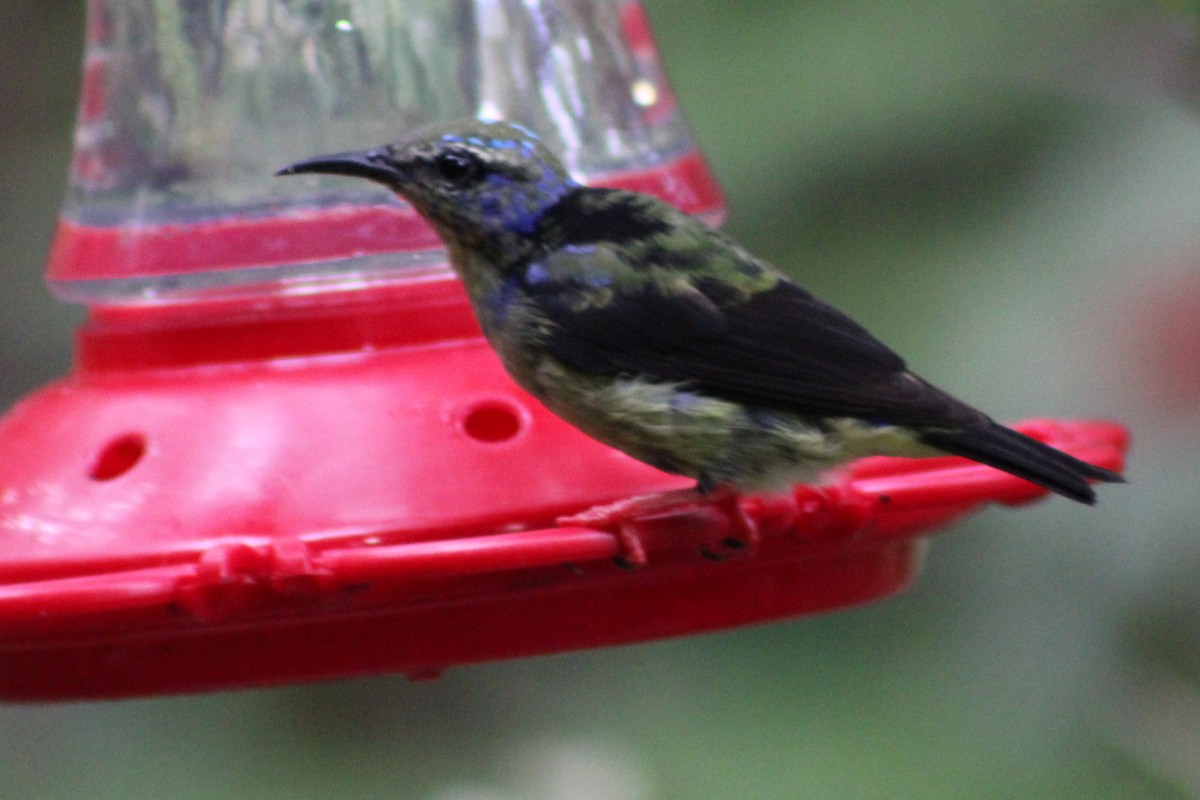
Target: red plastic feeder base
240, 499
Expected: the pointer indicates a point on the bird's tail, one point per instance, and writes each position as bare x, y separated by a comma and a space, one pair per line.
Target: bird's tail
1020, 455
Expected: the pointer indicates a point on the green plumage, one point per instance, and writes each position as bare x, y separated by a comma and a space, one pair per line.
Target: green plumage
665, 339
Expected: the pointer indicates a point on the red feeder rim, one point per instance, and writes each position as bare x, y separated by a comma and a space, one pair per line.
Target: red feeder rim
228, 501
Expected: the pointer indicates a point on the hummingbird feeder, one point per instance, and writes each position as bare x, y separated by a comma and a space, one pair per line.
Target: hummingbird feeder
285, 451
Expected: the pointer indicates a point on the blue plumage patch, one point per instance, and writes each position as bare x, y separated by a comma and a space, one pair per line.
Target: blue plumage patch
536, 273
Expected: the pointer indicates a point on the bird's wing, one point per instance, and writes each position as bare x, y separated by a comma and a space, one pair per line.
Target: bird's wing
777, 347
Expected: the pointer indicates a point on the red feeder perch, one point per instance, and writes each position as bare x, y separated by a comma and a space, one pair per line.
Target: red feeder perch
285, 452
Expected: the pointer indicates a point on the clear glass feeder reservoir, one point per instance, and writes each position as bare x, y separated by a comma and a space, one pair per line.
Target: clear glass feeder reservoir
285, 451
188, 108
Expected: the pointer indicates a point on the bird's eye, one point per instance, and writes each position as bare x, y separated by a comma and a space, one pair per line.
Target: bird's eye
458, 167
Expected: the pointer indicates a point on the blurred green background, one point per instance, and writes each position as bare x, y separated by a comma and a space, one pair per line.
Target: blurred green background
1006, 191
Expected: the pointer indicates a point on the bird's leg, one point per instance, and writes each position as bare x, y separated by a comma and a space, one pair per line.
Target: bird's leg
622, 517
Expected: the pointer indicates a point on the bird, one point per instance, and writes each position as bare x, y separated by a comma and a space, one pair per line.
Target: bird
660, 336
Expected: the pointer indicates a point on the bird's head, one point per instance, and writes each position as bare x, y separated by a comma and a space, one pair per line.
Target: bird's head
476, 182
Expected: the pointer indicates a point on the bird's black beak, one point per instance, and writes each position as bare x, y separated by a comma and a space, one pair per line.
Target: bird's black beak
370, 164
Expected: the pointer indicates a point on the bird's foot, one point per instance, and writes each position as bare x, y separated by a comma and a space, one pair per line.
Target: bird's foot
624, 519
743, 532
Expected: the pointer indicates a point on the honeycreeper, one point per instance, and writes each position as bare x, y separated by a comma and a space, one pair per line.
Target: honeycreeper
662, 337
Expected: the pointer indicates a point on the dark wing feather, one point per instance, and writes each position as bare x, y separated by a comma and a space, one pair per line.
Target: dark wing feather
1011, 451
779, 348
629, 332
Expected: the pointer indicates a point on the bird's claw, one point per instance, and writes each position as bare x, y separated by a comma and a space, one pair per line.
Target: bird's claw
633, 551
743, 531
